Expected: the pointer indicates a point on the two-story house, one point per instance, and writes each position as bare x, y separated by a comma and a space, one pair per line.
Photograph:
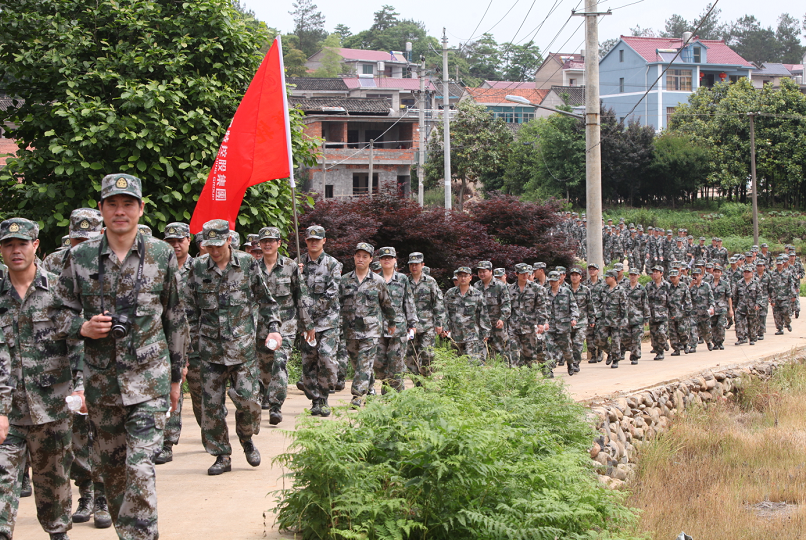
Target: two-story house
369, 63
631, 67
561, 69
494, 99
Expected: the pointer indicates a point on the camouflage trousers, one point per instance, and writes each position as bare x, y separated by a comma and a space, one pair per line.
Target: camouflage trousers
658, 332
499, 341
320, 365
273, 371
613, 347
558, 347
173, 425
631, 340
745, 325
760, 321
389, 365
49, 448
127, 438
590, 337
578, 336
701, 329
420, 353
679, 333
475, 349
523, 348
362, 353
195, 388
84, 470
243, 392
719, 322
782, 314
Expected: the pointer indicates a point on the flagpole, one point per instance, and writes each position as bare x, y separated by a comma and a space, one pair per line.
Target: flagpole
288, 144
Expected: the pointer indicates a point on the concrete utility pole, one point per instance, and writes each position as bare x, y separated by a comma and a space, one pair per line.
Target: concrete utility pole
421, 124
593, 153
370, 181
754, 182
324, 169
446, 125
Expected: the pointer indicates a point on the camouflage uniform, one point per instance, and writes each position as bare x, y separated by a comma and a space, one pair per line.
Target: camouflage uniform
764, 294
528, 309
702, 300
612, 317
431, 314
679, 317
594, 354
496, 299
467, 321
128, 380
286, 285
561, 308
35, 379
587, 317
389, 364
658, 299
783, 284
637, 315
321, 363
363, 305
222, 304
719, 320
746, 298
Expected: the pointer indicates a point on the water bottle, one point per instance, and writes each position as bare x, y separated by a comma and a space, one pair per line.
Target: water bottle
74, 404
272, 344
312, 343
411, 334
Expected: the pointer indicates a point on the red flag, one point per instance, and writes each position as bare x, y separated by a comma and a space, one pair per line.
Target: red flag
256, 147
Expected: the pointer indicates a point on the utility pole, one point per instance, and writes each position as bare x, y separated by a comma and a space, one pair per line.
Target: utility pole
370, 181
324, 169
754, 182
593, 153
421, 122
446, 125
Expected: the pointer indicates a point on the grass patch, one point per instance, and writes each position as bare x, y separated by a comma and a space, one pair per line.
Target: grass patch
475, 452
735, 470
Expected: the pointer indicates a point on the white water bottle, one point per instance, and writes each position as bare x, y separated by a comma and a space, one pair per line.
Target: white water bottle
271, 344
74, 404
312, 342
411, 334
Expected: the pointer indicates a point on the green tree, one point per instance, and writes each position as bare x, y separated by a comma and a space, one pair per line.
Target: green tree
389, 33
520, 62
332, 65
787, 35
146, 87
342, 31
293, 58
484, 58
309, 26
679, 166
675, 26
479, 146
752, 41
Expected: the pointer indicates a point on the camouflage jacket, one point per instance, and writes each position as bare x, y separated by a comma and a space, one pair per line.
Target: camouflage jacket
587, 311
679, 301
222, 305
290, 292
496, 298
798, 267
39, 374
363, 305
616, 244
722, 293
467, 318
528, 307
637, 304
702, 299
322, 277
746, 296
658, 298
678, 253
428, 302
596, 294
720, 256
54, 262
783, 285
562, 308
764, 288
613, 304
700, 252
400, 292
153, 355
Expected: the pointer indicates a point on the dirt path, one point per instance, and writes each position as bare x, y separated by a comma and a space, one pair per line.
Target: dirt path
232, 506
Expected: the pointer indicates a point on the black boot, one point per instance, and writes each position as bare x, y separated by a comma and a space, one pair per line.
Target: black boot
85, 505
165, 455
101, 517
275, 416
316, 408
676, 352
222, 464
325, 408
252, 455
26, 490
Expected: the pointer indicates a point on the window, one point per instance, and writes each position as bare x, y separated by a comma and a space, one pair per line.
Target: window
697, 55
367, 69
361, 183
669, 113
678, 80
621, 85
572, 82
621, 55
328, 191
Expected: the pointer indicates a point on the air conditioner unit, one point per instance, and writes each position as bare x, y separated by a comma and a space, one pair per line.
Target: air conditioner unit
381, 67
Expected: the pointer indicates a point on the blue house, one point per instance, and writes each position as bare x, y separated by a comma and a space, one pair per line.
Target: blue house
633, 64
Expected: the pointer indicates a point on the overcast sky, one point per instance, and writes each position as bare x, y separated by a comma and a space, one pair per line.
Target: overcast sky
504, 18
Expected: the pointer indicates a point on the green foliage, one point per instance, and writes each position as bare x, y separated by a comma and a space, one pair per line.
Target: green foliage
309, 26
488, 452
332, 64
146, 87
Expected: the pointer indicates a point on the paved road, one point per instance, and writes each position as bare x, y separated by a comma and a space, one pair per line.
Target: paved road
232, 506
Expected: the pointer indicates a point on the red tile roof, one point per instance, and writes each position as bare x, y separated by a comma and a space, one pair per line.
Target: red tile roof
384, 82
718, 52
511, 84
370, 56
498, 95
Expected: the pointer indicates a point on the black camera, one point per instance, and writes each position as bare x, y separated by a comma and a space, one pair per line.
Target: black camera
121, 325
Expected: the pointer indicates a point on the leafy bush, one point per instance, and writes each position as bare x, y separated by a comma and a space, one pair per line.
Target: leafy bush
487, 453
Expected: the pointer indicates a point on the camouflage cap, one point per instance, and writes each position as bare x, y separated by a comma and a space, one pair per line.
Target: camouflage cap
618, 267
18, 227
315, 231
593, 265
697, 272
236, 240
387, 252
690, 237
539, 266
780, 260
268, 233
575, 270
748, 254
709, 265
66, 241
761, 262
635, 271
702, 239
790, 246
747, 268
669, 231
121, 184
484, 265
611, 273
657, 269
252, 238
699, 262
631, 225
463, 270
754, 248
793, 254
718, 239
85, 223
215, 232
765, 245
522, 268
416, 257
554, 276
363, 246
530, 268
678, 239
559, 269
145, 229
674, 273
455, 272
177, 229
427, 270
718, 267
375, 266
499, 272
256, 248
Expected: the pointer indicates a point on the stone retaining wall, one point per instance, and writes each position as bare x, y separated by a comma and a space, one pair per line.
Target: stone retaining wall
625, 422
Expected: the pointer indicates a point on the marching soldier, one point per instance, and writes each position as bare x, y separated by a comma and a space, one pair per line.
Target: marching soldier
528, 317
637, 316
430, 314
496, 299
595, 284
723, 308
612, 316
679, 313
563, 313
467, 323
587, 315
764, 292
702, 302
746, 304
782, 298
658, 298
